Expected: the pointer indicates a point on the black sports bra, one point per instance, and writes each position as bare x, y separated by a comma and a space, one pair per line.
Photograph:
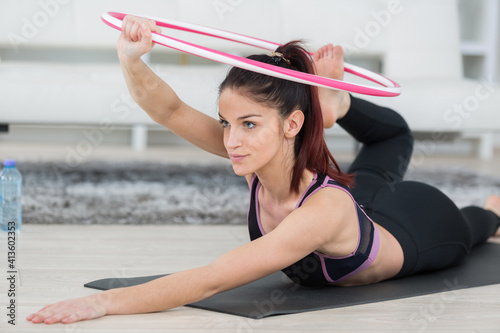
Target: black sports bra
318, 269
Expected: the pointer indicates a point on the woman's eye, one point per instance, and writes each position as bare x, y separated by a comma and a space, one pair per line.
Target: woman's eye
224, 123
249, 124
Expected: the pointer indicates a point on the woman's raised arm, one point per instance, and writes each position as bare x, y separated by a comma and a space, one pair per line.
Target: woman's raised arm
156, 97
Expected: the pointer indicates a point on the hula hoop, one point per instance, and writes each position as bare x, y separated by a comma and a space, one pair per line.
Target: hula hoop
388, 88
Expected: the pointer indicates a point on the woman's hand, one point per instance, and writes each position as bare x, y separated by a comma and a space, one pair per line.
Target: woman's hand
135, 38
72, 310
329, 62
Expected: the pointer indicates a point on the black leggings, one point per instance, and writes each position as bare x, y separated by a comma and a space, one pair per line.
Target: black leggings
433, 232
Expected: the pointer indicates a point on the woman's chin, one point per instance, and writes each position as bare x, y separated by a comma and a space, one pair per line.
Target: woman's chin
238, 170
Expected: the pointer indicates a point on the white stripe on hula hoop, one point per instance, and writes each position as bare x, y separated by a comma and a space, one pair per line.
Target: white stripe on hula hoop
387, 88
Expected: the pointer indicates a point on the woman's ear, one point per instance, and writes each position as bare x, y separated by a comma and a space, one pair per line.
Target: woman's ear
293, 124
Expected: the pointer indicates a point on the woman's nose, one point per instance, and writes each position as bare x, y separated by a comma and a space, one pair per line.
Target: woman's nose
233, 139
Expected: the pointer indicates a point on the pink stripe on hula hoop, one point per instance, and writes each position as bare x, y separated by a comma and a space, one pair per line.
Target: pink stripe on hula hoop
290, 72
390, 89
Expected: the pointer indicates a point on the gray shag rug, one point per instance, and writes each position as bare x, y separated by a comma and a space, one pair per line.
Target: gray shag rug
156, 193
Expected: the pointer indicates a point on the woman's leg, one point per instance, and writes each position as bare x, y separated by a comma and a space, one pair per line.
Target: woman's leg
386, 151
432, 231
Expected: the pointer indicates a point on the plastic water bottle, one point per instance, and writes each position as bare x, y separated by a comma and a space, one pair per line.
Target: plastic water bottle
1, 206
12, 182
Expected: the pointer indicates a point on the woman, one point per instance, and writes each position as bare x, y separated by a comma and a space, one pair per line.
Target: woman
303, 218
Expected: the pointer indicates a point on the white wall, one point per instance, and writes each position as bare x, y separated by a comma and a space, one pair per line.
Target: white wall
74, 44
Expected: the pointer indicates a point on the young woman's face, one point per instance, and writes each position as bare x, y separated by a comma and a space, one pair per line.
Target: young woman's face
253, 133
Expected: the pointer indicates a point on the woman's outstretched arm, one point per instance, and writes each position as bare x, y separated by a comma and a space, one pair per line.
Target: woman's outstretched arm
299, 234
156, 97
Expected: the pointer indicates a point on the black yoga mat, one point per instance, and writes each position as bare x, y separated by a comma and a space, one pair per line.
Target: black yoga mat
277, 295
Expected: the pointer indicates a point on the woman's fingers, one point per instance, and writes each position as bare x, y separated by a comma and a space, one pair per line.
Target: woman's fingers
134, 27
145, 37
133, 32
127, 24
136, 39
69, 311
55, 318
153, 27
49, 315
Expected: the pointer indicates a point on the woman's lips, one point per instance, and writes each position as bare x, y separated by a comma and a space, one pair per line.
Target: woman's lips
236, 157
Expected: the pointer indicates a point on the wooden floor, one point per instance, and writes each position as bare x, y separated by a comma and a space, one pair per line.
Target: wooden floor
54, 261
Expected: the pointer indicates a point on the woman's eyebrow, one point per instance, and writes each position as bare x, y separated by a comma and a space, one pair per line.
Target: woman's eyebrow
243, 117
249, 115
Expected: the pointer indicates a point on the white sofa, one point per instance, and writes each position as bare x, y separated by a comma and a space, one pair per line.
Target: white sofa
416, 43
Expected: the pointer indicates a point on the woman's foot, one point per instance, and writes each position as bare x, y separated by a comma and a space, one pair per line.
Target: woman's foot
329, 62
493, 204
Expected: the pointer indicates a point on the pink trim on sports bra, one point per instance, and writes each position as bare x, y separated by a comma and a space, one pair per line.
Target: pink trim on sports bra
376, 237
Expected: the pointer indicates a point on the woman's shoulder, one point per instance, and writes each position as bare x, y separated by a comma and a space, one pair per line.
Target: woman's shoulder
329, 190
327, 212
330, 202
331, 196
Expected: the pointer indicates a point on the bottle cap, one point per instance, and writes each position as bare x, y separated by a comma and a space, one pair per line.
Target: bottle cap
9, 163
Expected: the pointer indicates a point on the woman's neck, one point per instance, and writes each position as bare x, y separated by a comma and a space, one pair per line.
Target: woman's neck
276, 177
276, 183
